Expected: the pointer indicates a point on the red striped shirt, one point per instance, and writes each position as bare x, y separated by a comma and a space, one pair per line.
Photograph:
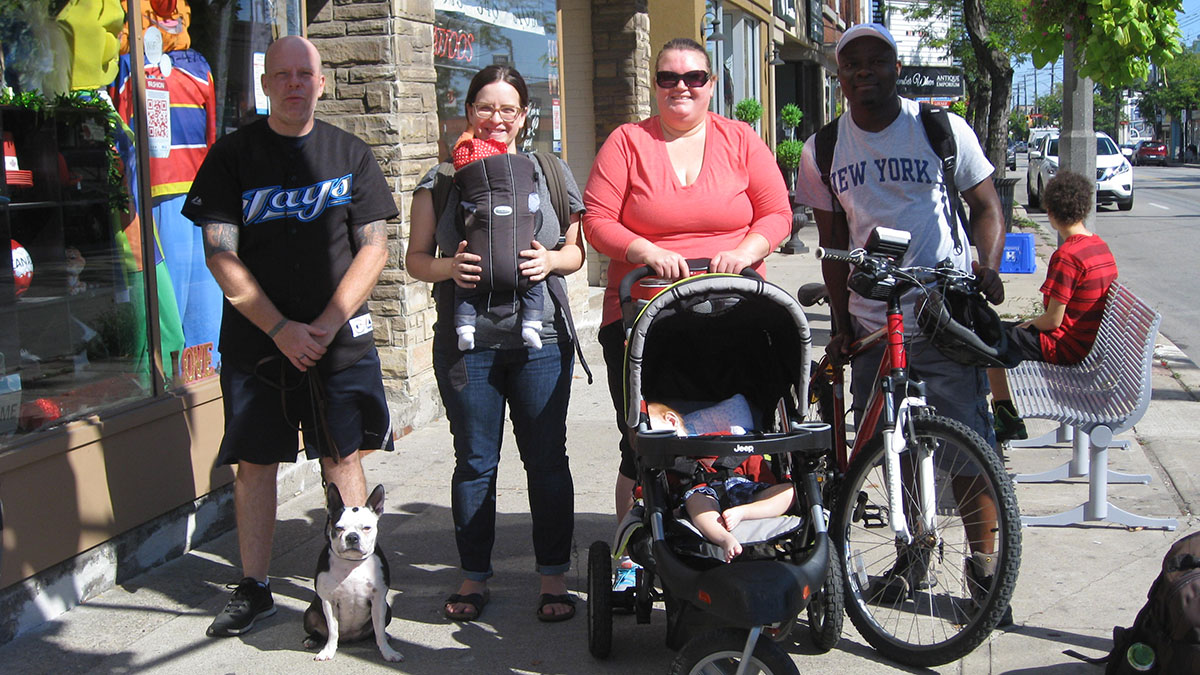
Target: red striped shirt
1078, 276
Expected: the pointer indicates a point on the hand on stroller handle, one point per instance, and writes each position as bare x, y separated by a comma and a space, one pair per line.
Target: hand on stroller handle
696, 265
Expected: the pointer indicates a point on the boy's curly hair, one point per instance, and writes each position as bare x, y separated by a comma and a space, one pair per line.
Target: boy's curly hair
1069, 197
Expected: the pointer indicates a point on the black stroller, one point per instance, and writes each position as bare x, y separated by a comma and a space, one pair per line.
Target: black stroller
701, 340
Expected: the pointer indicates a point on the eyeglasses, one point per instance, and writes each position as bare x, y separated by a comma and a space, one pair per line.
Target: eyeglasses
507, 113
693, 78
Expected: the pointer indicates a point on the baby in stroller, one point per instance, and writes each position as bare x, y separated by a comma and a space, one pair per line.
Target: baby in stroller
719, 501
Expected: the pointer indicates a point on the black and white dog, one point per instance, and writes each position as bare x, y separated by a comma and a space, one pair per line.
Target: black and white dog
352, 580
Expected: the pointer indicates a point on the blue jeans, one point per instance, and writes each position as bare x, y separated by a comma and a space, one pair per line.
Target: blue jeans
536, 386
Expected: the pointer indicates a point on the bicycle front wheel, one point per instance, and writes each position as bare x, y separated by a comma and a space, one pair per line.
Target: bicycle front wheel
935, 599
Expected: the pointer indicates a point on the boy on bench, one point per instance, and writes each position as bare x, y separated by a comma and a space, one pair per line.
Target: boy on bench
1077, 281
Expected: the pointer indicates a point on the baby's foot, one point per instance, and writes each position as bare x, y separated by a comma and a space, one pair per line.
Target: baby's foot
466, 338
731, 547
531, 334
731, 517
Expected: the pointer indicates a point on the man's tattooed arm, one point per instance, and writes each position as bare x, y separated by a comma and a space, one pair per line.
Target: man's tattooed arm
220, 237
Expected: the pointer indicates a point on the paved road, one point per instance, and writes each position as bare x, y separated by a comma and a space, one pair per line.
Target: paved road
1156, 245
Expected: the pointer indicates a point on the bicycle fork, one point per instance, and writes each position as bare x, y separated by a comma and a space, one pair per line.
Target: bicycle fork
897, 420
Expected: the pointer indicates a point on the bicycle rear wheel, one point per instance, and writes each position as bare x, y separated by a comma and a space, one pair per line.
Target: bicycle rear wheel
933, 600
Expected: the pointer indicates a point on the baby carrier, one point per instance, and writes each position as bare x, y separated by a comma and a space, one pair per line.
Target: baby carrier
498, 214
700, 343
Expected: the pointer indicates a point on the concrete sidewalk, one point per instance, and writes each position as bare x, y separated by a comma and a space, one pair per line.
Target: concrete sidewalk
1075, 583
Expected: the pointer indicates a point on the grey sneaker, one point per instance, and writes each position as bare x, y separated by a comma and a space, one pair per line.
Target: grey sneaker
250, 601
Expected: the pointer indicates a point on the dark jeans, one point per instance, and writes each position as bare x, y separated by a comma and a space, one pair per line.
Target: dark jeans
612, 341
536, 386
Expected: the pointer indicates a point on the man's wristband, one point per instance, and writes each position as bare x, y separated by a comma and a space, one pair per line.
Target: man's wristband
278, 327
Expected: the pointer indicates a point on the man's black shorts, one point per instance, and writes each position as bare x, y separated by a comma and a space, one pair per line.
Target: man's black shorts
264, 409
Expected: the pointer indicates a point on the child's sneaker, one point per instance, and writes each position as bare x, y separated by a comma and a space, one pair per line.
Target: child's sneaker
250, 601
1007, 424
626, 574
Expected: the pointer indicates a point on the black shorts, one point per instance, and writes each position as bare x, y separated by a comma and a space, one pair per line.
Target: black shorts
1024, 344
265, 409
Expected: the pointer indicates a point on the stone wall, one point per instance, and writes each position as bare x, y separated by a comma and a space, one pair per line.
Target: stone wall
378, 58
621, 51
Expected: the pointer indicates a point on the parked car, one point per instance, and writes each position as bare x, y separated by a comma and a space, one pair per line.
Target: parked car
1010, 159
1114, 175
1127, 150
1021, 146
1150, 152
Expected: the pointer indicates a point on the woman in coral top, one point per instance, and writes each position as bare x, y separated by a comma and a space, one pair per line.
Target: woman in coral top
686, 183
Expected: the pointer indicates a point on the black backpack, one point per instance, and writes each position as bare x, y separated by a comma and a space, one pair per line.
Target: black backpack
941, 138
556, 183
1169, 622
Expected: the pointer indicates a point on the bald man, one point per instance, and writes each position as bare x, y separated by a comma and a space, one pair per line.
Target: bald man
293, 212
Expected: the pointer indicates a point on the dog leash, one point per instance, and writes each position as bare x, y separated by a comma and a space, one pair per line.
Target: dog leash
326, 445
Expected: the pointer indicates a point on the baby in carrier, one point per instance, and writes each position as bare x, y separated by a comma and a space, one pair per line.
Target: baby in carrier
716, 506
498, 214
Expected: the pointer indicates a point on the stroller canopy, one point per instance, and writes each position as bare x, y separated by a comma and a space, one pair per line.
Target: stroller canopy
711, 336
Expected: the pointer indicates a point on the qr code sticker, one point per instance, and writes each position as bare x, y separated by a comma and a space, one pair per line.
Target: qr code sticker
158, 121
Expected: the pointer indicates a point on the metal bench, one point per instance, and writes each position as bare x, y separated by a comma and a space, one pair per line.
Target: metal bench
1104, 395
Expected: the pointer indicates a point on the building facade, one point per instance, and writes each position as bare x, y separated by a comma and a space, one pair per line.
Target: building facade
109, 398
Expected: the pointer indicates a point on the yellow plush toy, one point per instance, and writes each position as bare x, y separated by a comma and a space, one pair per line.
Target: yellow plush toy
91, 28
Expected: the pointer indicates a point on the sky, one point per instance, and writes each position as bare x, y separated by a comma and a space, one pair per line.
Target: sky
1025, 79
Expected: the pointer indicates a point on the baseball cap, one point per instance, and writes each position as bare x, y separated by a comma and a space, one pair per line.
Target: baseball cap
875, 30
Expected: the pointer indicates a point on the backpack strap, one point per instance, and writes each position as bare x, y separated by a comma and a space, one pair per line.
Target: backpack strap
443, 181
556, 183
826, 139
936, 122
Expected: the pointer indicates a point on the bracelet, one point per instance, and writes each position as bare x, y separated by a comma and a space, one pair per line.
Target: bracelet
278, 327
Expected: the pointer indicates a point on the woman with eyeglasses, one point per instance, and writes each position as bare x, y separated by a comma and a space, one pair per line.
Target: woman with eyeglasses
499, 369
686, 183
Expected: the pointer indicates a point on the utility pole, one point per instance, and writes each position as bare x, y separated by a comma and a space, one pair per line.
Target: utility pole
1077, 142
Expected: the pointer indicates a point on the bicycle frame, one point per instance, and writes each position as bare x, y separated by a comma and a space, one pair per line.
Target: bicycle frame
885, 414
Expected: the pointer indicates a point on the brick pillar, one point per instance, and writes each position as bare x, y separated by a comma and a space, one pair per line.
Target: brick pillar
621, 48
379, 85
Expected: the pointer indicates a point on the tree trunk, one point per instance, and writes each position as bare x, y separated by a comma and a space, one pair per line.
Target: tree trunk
977, 109
999, 69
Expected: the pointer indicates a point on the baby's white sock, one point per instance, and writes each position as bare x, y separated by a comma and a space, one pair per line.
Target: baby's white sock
466, 337
531, 333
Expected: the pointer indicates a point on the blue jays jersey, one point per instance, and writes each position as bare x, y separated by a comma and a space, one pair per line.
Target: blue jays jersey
296, 200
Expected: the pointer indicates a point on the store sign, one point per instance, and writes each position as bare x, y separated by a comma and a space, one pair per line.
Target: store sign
929, 81
469, 35
786, 10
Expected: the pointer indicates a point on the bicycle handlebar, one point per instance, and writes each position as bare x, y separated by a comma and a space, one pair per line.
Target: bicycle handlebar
883, 266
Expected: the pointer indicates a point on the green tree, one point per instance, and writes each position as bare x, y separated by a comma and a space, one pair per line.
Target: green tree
1018, 128
1116, 40
1177, 89
987, 43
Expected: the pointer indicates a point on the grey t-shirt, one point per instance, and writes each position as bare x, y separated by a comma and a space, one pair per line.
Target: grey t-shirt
505, 333
893, 178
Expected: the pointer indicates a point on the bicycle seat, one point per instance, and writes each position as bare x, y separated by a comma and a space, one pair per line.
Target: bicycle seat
813, 293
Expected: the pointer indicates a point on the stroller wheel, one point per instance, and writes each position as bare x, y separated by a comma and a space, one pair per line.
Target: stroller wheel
599, 603
826, 610
720, 651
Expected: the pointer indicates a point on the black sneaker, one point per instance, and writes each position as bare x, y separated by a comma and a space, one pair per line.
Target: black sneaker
250, 601
980, 570
1008, 425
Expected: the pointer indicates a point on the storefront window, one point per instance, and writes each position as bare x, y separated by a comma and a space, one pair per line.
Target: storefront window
472, 34
75, 336
738, 55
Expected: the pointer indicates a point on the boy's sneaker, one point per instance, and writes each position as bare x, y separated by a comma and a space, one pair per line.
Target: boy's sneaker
250, 601
1007, 424
626, 575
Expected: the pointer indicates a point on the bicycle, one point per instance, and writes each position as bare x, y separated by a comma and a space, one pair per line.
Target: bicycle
909, 525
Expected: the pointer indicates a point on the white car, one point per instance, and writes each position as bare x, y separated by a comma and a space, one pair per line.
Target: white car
1114, 174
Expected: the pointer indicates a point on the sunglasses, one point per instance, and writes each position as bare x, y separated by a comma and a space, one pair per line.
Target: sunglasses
693, 78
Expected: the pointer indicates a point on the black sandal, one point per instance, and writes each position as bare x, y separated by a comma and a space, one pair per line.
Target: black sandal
477, 601
551, 599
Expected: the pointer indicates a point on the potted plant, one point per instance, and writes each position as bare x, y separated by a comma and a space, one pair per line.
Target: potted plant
790, 116
748, 110
787, 153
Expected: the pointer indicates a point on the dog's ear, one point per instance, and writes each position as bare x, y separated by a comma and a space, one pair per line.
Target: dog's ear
375, 501
333, 497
